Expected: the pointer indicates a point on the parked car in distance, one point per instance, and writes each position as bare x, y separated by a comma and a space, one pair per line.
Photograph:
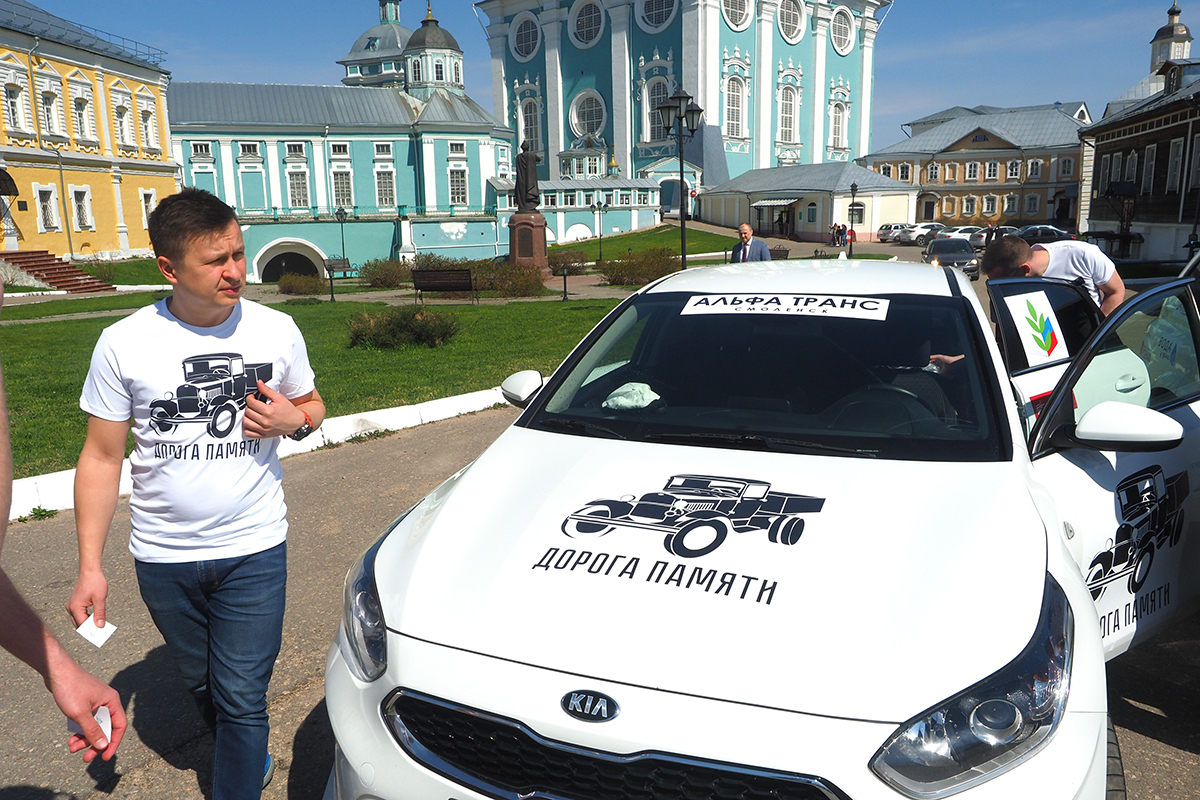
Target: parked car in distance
1037, 234
921, 233
979, 238
953, 253
888, 231
957, 232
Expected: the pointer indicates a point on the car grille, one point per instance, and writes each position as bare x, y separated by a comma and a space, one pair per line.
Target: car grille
504, 759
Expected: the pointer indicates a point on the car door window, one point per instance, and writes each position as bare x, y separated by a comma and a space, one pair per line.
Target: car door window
1041, 321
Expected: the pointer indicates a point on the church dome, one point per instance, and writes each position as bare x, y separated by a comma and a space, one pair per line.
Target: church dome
432, 36
386, 40
1174, 29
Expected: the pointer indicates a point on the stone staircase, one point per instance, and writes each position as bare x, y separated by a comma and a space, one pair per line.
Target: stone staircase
54, 271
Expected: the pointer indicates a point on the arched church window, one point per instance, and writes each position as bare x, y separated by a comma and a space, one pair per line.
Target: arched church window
457, 72
439, 72
529, 125
837, 125
415, 71
787, 115
656, 95
734, 93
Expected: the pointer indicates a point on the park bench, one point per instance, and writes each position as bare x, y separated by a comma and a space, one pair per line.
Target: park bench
339, 268
779, 253
443, 280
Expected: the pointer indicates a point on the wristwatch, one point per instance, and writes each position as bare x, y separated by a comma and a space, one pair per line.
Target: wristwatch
303, 430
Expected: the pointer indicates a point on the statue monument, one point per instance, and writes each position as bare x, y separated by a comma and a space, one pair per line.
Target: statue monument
527, 227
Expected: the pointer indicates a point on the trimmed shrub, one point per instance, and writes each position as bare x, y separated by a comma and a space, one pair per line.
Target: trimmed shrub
401, 326
638, 269
302, 301
507, 279
435, 261
385, 273
291, 283
575, 261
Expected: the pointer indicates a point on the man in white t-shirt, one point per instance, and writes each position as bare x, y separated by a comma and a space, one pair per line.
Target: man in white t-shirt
1013, 257
209, 382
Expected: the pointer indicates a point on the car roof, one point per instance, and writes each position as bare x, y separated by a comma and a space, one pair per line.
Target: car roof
821, 276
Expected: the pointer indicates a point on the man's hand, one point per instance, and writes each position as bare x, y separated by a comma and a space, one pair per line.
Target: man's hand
79, 694
278, 417
91, 591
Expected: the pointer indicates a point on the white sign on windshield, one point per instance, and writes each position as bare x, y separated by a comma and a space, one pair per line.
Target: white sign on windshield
1038, 328
818, 305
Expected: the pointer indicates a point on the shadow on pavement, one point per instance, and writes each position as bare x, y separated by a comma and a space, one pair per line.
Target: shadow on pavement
312, 756
29, 793
165, 718
1154, 689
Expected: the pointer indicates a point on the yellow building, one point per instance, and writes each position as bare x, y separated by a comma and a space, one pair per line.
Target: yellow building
992, 166
85, 149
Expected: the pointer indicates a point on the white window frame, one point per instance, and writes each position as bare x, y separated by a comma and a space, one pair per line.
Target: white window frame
650, 115
1175, 165
1131, 165
1194, 172
1033, 204
1116, 168
143, 196
202, 150
580, 97
847, 16
992, 171
458, 148
972, 171
905, 173
789, 124
333, 187
573, 22
49, 112
1148, 169
390, 172
1012, 171
969, 205
122, 121
735, 97
466, 187
1066, 167
54, 208
933, 172
289, 155
536, 139
439, 71
839, 124
885, 170
14, 108
336, 156
800, 8
949, 205
1035, 169
147, 119
250, 151
990, 205
515, 26
1106, 167
90, 220
1011, 204
292, 204
646, 25
747, 14
383, 150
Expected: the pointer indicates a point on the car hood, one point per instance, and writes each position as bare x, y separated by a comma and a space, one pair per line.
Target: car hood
907, 582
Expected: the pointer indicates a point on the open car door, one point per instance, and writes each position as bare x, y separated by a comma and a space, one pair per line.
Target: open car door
1114, 443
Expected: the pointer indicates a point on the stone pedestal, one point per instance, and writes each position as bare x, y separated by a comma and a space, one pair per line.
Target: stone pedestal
527, 239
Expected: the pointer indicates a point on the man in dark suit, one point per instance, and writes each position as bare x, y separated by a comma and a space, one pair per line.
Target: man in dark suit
749, 248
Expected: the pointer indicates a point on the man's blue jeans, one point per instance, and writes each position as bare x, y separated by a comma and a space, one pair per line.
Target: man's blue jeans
223, 621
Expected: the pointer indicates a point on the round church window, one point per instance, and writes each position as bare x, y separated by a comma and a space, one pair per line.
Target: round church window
791, 20
658, 13
841, 30
586, 23
737, 13
525, 36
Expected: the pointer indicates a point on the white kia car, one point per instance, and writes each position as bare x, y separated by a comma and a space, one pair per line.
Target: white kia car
748, 542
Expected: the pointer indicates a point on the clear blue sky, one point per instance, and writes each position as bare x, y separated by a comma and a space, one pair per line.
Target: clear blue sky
930, 54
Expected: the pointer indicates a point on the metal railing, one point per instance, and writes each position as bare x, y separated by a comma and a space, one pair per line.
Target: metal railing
135, 48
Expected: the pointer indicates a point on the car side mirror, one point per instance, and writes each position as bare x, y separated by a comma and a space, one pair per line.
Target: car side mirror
1120, 427
520, 387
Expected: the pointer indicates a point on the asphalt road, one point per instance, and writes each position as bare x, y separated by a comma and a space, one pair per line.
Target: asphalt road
339, 501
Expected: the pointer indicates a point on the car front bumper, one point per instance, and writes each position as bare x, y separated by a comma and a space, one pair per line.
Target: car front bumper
370, 763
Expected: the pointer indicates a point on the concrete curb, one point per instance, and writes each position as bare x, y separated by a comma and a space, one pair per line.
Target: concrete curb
56, 490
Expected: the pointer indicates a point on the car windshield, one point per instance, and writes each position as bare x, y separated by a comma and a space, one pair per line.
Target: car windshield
854, 380
950, 246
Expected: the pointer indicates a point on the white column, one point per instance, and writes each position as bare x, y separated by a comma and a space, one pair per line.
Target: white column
101, 112
320, 173
122, 228
555, 111
429, 173
820, 41
275, 198
622, 90
229, 183
497, 41
763, 68
866, 86
876, 202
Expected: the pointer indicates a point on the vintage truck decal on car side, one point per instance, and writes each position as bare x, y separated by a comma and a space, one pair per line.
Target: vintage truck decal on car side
698, 512
214, 390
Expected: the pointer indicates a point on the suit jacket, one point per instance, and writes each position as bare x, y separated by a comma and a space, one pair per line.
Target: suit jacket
758, 251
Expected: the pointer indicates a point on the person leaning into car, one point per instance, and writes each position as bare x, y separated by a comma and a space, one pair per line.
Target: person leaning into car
1013, 257
749, 248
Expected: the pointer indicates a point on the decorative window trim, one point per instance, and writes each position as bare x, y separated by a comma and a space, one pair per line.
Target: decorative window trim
990, 201
848, 15
1011, 204
933, 172
202, 152
1032, 204
1175, 165
1012, 170
886, 170
517, 21
802, 9
1148, 169
466, 173
385, 169
249, 152
336, 156
55, 209
949, 205
582, 95
648, 112
143, 195
288, 173
951, 175
1066, 167
747, 16
383, 151
1106, 167
572, 22
147, 104
743, 96
992, 171
905, 172
1034, 169
122, 99
14, 74
1131, 165
972, 172
90, 222
333, 191
789, 79
290, 157
969, 205
643, 23
523, 94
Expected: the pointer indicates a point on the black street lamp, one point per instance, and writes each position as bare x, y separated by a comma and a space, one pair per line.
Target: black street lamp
340, 214
680, 109
853, 192
602, 208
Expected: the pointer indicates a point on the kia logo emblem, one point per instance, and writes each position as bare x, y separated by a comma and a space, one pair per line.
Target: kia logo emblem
590, 706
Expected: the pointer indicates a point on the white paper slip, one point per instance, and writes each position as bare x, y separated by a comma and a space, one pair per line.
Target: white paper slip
97, 636
102, 716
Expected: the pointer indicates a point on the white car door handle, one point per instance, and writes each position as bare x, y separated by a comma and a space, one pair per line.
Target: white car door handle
1127, 383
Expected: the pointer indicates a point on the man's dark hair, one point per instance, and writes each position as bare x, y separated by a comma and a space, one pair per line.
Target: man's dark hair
182, 217
1005, 255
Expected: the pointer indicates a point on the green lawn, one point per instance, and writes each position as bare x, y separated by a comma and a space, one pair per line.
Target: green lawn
663, 236
135, 272
45, 365
81, 305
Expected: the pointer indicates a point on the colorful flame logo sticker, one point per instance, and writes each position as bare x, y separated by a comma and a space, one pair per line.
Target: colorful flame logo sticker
1043, 330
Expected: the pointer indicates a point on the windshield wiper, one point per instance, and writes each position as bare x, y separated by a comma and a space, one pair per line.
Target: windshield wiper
579, 426
753, 441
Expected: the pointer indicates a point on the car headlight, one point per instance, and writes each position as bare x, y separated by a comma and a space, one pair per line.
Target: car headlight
974, 262
933, 262
362, 615
992, 726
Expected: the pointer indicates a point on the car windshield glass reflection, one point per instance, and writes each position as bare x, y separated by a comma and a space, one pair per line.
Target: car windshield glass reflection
951, 246
682, 369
